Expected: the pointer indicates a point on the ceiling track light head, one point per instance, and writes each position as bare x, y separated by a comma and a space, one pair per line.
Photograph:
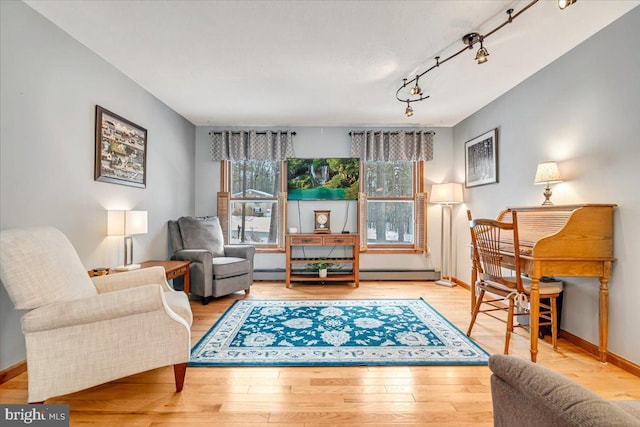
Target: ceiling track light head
416, 89
563, 4
483, 53
409, 110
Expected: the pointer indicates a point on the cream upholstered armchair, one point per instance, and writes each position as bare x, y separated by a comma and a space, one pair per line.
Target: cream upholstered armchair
81, 332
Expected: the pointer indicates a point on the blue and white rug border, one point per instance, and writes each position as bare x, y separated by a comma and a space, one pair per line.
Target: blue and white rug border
302, 302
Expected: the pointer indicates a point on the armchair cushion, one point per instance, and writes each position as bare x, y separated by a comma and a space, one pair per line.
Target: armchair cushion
230, 266
47, 249
202, 234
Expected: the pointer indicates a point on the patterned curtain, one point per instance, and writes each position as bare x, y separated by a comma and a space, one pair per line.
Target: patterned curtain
252, 145
391, 146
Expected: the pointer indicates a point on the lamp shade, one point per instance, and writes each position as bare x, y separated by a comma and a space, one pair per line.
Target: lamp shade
448, 194
126, 223
547, 172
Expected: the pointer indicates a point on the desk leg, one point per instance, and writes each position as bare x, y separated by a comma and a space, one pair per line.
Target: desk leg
604, 313
534, 313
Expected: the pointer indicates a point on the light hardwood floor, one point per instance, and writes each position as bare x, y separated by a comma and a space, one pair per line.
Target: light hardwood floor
329, 396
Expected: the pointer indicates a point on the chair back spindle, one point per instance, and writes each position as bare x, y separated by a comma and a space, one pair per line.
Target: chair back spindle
486, 237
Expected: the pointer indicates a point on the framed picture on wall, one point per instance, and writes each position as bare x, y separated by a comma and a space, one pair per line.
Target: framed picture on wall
121, 150
481, 159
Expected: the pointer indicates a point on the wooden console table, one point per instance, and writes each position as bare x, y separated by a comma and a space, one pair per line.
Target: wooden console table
317, 240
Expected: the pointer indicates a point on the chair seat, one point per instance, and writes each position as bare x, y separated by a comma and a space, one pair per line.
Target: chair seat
546, 288
230, 266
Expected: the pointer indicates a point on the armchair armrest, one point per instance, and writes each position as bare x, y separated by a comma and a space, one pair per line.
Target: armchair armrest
240, 251
522, 390
193, 255
82, 311
131, 279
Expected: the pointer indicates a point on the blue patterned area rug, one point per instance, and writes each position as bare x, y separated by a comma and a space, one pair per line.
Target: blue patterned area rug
334, 333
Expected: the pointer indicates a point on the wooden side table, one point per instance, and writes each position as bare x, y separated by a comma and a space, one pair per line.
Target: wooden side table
172, 269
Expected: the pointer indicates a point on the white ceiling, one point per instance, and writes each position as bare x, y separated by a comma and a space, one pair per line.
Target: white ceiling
276, 63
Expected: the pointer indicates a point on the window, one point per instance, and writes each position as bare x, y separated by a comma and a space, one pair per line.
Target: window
390, 188
391, 206
253, 201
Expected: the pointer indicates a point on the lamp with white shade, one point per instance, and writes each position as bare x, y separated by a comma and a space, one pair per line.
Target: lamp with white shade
547, 173
447, 195
127, 223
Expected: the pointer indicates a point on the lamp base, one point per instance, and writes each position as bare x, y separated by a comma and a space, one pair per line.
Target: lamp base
445, 282
128, 267
547, 196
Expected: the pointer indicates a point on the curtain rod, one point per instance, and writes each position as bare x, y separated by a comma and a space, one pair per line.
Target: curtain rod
257, 133
391, 133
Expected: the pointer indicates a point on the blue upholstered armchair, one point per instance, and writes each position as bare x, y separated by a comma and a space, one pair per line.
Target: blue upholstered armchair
216, 269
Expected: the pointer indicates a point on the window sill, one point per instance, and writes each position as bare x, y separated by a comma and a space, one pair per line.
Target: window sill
392, 250
269, 250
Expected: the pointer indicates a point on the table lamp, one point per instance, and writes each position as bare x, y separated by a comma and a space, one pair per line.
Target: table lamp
547, 173
127, 223
446, 195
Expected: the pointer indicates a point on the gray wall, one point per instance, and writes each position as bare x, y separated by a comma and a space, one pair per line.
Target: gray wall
50, 85
330, 142
582, 111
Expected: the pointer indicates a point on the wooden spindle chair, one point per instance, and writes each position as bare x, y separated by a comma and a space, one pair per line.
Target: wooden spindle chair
491, 239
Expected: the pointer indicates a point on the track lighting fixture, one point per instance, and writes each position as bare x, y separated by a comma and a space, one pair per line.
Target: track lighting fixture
409, 110
565, 3
411, 91
482, 54
416, 89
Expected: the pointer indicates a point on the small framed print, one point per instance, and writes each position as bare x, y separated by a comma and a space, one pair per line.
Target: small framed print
121, 150
481, 159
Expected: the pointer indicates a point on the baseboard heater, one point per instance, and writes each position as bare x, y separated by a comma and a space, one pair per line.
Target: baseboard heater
278, 275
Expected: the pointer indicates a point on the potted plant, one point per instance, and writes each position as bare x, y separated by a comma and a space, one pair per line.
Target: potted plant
322, 267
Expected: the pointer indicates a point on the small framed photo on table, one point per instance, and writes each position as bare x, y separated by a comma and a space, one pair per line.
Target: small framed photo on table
481, 159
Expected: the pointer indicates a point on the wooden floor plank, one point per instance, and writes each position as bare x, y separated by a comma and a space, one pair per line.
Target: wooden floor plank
328, 396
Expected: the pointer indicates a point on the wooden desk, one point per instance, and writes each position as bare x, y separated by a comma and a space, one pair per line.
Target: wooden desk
565, 241
317, 240
172, 270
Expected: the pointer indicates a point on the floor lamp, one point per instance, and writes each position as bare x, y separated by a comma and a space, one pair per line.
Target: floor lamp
446, 195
